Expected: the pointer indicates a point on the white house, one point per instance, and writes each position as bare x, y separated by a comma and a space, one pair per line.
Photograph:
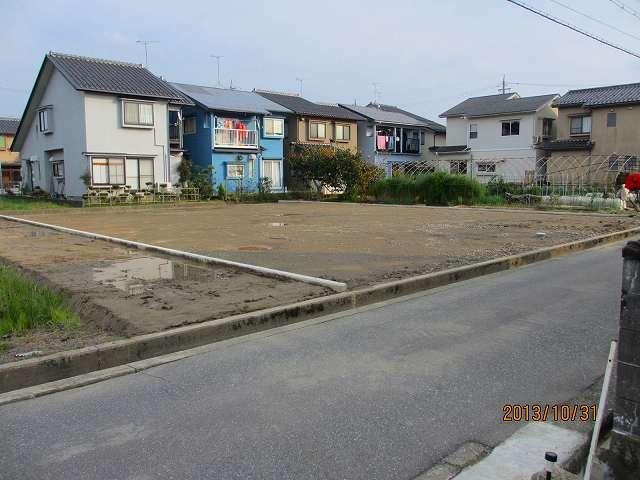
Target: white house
99, 121
497, 135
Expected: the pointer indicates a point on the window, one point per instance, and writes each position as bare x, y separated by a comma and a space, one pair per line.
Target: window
317, 131
458, 167
250, 167
273, 127
611, 119
580, 125
410, 140
271, 169
57, 169
107, 171
423, 137
510, 128
235, 171
44, 120
486, 168
547, 127
137, 114
3, 142
139, 172
473, 130
343, 133
189, 125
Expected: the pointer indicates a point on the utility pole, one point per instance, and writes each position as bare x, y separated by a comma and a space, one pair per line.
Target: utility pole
504, 88
146, 44
299, 80
218, 57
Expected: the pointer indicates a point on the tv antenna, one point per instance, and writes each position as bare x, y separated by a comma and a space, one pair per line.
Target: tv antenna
218, 57
146, 44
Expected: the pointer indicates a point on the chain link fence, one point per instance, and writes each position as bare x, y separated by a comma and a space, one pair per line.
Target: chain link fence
570, 179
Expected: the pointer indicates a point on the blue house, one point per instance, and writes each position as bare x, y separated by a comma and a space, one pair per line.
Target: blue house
239, 133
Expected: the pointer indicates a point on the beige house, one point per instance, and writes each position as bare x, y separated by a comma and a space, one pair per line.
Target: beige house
316, 123
598, 135
9, 161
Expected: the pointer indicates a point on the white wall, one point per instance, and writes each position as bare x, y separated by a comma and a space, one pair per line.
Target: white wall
68, 135
105, 133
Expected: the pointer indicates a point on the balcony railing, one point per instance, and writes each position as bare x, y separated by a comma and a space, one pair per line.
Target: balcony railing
235, 138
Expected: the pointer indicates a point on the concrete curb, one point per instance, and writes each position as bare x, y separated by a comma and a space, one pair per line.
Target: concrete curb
61, 365
269, 272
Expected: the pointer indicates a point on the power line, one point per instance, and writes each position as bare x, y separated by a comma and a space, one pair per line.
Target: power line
626, 9
574, 28
597, 20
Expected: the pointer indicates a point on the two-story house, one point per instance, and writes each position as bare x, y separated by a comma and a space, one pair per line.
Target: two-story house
316, 123
496, 135
9, 161
239, 133
98, 122
598, 134
395, 139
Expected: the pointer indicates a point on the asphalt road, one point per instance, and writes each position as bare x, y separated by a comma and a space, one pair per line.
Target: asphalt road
380, 393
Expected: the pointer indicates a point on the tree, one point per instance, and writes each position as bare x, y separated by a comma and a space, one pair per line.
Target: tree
329, 167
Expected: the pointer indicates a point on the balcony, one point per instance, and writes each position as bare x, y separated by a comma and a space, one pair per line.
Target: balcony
235, 138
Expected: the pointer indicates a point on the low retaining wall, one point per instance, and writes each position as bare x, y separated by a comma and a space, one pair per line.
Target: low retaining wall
76, 362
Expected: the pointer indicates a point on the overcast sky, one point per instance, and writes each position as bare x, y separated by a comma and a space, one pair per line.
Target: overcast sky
425, 55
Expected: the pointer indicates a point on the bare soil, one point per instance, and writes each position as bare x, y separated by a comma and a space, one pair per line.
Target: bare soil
357, 244
120, 292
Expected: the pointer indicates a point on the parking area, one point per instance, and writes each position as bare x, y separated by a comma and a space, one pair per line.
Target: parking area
358, 244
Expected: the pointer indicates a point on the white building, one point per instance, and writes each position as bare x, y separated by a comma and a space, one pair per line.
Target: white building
496, 135
100, 122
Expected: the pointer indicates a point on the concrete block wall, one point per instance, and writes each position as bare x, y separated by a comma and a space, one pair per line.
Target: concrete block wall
625, 440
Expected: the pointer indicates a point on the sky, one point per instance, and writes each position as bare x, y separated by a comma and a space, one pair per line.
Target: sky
425, 56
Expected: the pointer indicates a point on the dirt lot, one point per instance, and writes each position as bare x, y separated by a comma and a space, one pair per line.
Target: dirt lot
120, 292
359, 244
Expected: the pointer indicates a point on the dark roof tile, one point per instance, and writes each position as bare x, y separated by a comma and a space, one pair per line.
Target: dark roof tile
109, 76
435, 126
506, 103
302, 106
601, 96
9, 126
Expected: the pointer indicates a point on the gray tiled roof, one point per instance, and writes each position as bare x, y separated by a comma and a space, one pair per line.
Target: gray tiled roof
384, 116
435, 126
449, 149
9, 126
601, 96
109, 76
302, 106
498, 105
230, 100
568, 144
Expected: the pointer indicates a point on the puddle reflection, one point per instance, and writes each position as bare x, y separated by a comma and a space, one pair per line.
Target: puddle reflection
127, 276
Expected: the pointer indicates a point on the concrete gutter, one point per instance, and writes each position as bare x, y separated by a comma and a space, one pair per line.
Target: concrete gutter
62, 365
269, 272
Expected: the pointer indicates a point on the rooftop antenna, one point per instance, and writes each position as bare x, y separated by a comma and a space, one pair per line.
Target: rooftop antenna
146, 44
376, 93
218, 57
299, 80
504, 89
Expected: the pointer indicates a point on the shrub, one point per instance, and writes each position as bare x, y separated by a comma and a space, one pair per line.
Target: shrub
222, 192
399, 189
439, 188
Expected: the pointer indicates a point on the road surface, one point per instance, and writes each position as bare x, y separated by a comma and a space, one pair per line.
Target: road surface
383, 392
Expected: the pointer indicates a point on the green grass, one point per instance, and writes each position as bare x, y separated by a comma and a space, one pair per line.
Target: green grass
24, 305
17, 203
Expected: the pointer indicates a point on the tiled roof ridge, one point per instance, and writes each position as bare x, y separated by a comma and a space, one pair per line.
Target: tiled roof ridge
275, 92
95, 59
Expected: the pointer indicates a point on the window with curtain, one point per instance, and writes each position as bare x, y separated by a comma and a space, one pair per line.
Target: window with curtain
580, 125
3, 142
343, 133
137, 114
273, 127
145, 167
107, 171
317, 131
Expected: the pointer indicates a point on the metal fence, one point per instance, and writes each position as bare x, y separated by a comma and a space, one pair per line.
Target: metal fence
565, 178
